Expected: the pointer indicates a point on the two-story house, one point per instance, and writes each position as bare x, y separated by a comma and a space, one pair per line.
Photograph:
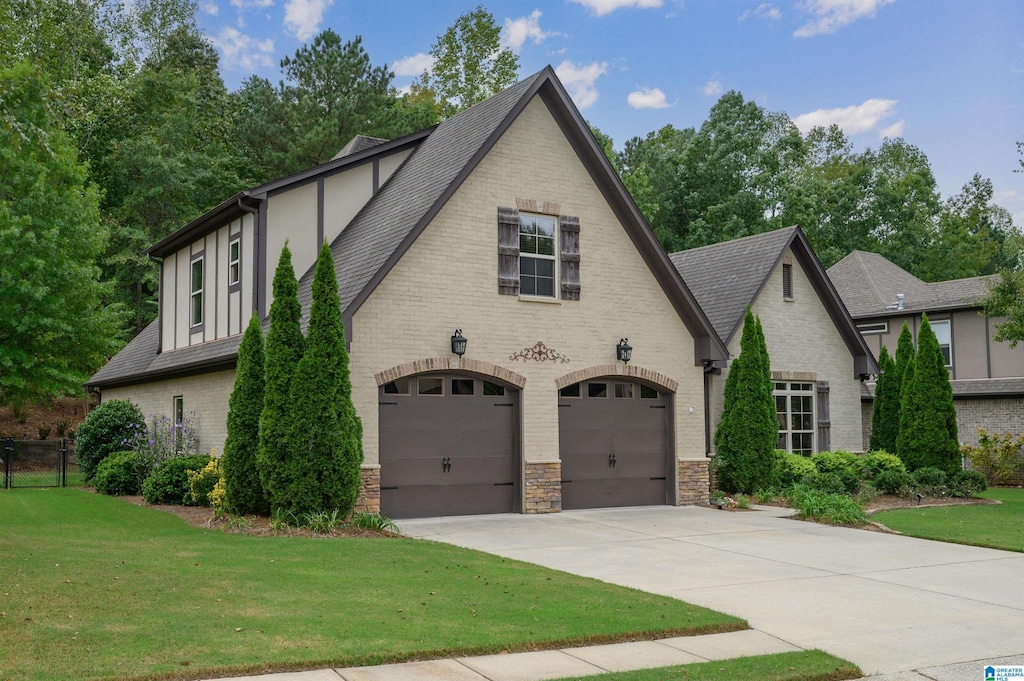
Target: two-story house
987, 376
504, 226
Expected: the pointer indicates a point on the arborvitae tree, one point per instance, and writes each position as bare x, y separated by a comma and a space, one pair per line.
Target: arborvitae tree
324, 437
748, 430
928, 433
885, 417
283, 351
904, 357
243, 487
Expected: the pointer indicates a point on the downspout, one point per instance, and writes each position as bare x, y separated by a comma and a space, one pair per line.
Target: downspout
254, 212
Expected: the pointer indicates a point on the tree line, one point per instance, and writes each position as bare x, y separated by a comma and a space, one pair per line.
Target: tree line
127, 105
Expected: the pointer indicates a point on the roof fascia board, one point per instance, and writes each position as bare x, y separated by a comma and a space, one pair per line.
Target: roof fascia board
910, 311
191, 369
708, 347
204, 224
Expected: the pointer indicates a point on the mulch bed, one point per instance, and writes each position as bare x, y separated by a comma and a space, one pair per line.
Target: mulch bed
201, 516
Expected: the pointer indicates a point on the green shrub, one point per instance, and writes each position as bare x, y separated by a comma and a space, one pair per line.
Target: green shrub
833, 483
169, 482
111, 427
894, 481
834, 509
837, 462
966, 484
766, 495
120, 474
201, 483
996, 456
930, 481
876, 462
791, 468
373, 521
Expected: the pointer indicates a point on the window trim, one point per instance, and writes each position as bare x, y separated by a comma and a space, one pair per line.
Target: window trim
787, 393
872, 328
949, 325
194, 325
554, 258
235, 265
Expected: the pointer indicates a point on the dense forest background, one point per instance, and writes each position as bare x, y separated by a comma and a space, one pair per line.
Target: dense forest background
116, 129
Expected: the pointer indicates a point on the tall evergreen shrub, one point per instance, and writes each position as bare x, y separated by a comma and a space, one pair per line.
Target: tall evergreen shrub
904, 357
748, 430
243, 488
284, 349
885, 416
928, 432
325, 435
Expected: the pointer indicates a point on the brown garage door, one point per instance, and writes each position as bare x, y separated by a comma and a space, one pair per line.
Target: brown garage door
448, 446
613, 441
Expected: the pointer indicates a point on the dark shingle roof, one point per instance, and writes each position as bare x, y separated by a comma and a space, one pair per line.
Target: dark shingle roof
869, 283
726, 277
357, 144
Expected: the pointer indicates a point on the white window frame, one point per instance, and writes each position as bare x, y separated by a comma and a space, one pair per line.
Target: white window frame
234, 261
539, 256
196, 293
948, 323
871, 328
788, 390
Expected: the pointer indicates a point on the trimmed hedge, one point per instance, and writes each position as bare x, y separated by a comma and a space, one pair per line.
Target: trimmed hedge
874, 463
120, 474
108, 428
169, 483
791, 468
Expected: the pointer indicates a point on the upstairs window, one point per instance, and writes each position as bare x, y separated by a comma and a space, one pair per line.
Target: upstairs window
234, 262
944, 336
197, 292
537, 255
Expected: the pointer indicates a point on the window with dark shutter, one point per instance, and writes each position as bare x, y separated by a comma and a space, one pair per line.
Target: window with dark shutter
569, 228
824, 422
508, 251
787, 281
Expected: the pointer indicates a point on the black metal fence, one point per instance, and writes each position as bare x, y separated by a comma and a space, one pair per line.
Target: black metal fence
40, 463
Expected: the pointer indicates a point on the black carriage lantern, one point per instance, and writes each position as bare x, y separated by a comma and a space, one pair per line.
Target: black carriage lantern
459, 343
624, 351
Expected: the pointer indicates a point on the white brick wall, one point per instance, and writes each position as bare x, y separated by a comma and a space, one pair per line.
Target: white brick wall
448, 280
802, 337
206, 395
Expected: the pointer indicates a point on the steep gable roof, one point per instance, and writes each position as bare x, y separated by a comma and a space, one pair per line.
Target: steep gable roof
728, 276
357, 144
869, 284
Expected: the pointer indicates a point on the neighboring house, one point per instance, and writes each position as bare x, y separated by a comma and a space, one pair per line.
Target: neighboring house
987, 376
818, 360
505, 222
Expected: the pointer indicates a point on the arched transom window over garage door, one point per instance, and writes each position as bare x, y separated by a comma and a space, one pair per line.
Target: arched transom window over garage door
448, 446
614, 438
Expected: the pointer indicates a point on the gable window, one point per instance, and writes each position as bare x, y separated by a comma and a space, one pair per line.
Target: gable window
234, 262
794, 407
197, 292
944, 336
537, 255
787, 281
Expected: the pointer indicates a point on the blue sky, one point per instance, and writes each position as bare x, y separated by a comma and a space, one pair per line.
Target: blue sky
946, 76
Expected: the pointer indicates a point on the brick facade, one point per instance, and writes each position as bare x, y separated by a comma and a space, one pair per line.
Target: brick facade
994, 414
694, 487
369, 490
543, 487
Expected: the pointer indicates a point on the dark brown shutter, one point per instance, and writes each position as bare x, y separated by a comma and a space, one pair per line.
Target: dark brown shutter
570, 256
508, 251
824, 422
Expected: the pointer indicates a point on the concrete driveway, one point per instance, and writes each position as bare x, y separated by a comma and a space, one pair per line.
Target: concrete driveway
885, 602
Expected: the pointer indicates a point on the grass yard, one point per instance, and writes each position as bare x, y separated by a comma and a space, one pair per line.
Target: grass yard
997, 527
94, 587
806, 665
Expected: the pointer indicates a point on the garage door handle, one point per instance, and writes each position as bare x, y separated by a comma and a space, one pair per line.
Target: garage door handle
386, 403
657, 406
504, 404
384, 488
503, 484
446, 464
565, 482
661, 478
611, 461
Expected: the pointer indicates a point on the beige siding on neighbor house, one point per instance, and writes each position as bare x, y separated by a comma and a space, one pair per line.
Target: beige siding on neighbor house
448, 280
801, 336
205, 396
1006, 361
970, 359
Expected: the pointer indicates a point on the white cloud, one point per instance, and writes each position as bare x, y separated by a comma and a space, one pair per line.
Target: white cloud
561, 50
414, 65
579, 80
517, 31
647, 99
852, 119
302, 17
603, 7
828, 16
894, 130
245, 4
238, 50
765, 11
713, 87
209, 8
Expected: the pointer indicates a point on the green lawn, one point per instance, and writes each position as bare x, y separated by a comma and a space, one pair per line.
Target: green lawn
998, 527
806, 665
94, 587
